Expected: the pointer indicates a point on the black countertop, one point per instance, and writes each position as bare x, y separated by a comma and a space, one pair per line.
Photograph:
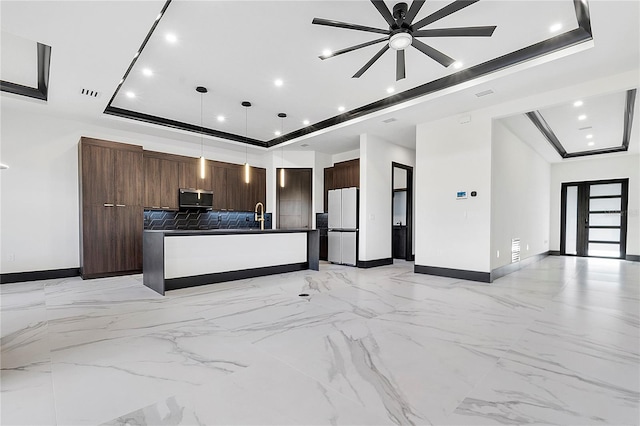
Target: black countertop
188, 232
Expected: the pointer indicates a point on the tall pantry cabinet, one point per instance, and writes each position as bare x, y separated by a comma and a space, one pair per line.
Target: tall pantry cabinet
111, 212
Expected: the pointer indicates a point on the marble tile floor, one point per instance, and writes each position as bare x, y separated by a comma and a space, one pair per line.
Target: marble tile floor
557, 342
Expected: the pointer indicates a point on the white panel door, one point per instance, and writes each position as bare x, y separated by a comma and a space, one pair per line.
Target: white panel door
334, 247
349, 208
335, 209
349, 248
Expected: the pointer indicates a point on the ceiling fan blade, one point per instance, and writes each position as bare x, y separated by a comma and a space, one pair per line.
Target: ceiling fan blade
352, 48
400, 65
434, 54
330, 23
371, 61
413, 10
384, 11
445, 11
456, 32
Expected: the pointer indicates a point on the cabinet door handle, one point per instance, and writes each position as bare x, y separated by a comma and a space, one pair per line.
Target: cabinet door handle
164, 207
108, 204
120, 205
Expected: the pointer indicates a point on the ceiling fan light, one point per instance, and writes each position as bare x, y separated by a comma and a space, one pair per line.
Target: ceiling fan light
400, 41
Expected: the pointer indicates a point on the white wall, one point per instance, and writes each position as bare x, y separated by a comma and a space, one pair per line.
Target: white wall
345, 156
42, 152
520, 197
376, 156
453, 157
585, 169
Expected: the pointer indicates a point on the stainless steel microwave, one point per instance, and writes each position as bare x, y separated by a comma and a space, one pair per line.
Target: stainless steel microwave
195, 199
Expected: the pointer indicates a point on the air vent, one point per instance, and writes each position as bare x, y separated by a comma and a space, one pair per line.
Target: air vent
389, 120
515, 250
90, 93
485, 93
586, 128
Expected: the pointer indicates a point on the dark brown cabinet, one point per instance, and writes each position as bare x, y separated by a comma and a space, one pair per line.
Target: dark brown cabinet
161, 181
111, 182
345, 174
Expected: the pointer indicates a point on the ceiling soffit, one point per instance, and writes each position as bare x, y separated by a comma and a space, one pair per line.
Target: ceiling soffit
624, 119
118, 106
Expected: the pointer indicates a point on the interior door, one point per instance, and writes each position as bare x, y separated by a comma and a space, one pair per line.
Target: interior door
594, 218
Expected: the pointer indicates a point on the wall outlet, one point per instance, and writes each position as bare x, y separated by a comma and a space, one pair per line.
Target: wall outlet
527, 247
372, 217
497, 253
11, 257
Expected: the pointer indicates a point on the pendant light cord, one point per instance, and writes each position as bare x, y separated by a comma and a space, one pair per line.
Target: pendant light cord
201, 125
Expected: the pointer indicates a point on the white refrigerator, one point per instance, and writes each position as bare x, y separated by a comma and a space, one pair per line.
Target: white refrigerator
343, 226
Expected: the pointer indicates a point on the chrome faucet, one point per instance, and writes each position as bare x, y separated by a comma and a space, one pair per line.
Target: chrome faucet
259, 217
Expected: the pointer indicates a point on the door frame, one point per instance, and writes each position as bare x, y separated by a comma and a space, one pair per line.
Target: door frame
583, 214
409, 240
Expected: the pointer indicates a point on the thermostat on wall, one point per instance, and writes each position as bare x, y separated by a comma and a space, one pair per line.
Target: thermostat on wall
461, 195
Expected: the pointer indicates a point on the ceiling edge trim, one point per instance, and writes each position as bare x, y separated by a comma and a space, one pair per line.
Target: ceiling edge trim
139, 51
537, 119
628, 117
43, 67
542, 125
165, 122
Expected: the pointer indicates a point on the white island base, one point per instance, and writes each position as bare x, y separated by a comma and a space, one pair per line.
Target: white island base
179, 259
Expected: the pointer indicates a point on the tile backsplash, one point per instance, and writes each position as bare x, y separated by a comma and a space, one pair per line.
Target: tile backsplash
198, 219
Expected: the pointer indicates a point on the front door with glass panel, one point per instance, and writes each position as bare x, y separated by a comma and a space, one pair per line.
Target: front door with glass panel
594, 218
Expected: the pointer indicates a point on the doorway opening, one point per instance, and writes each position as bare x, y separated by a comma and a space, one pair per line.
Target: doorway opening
293, 199
402, 211
594, 218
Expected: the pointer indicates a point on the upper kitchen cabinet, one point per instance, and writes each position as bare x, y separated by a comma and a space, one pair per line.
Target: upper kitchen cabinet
345, 174
110, 173
161, 179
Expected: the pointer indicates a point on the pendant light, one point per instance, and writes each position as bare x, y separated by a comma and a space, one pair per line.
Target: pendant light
202, 90
246, 105
282, 116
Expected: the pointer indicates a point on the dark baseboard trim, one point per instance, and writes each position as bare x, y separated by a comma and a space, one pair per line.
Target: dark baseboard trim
554, 252
632, 257
109, 274
463, 274
196, 280
51, 274
374, 263
513, 267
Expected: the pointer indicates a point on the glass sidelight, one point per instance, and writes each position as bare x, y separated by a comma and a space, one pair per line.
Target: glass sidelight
594, 221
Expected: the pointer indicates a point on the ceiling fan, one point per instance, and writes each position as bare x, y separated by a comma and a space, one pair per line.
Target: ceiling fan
403, 33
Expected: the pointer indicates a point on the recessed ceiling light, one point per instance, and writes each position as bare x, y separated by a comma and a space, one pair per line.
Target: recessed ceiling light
305, 122
278, 82
555, 27
277, 133
391, 89
341, 108
326, 53
221, 118
578, 103
582, 117
147, 71
591, 143
457, 65
171, 38
130, 95
589, 136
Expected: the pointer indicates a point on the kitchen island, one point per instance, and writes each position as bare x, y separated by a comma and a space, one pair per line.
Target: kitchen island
174, 259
